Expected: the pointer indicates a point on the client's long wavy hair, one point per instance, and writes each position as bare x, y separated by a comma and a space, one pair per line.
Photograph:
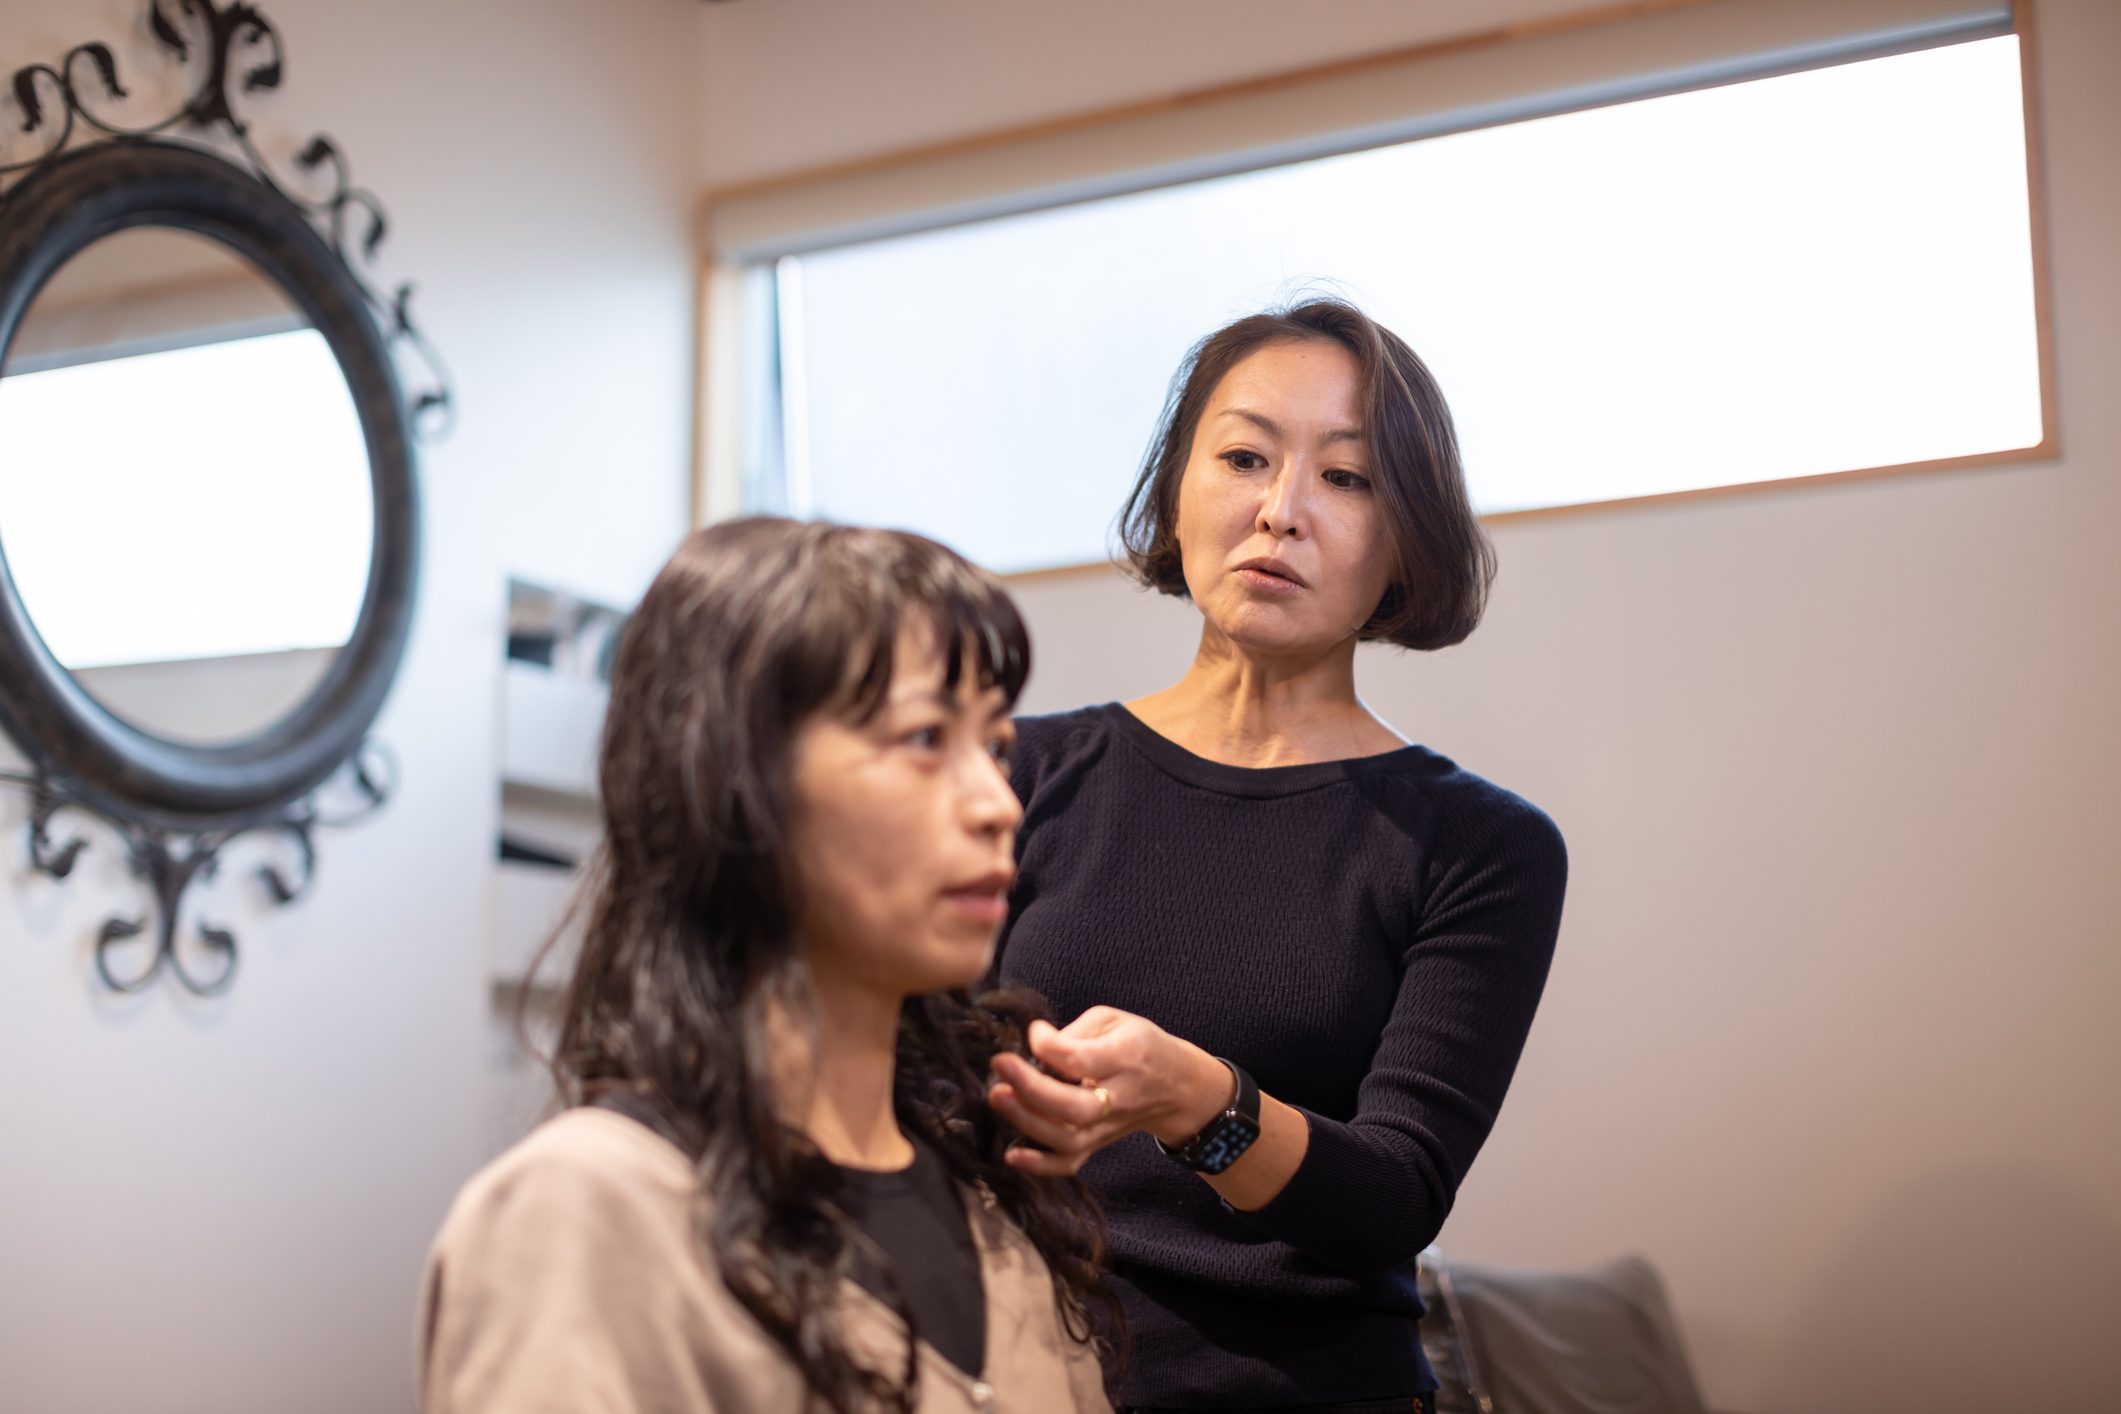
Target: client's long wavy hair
754, 628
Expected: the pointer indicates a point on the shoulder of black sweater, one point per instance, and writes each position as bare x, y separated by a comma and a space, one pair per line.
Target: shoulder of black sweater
1496, 823
1045, 739
1045, 730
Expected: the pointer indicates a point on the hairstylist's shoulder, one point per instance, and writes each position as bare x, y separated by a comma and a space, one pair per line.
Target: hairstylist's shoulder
1475, 822
1052, 744
1506, 865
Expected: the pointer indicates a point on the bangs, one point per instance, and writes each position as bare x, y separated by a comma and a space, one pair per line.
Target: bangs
893, 580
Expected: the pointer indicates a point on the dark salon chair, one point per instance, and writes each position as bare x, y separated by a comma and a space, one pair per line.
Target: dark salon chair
1600, 1341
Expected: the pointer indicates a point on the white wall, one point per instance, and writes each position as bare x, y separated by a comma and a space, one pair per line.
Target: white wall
223, 1205
1830, 1036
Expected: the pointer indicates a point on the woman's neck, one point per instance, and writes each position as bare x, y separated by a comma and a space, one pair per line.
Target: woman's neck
1252, 709
834, 1072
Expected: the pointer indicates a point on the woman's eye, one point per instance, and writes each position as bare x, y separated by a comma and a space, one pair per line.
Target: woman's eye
1348, 480
1241, 460
925, 738
1001, 750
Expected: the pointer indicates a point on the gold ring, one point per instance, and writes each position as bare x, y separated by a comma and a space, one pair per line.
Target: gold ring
1104, 1102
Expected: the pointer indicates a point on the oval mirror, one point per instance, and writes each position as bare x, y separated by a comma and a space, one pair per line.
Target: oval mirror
209, 499
209, 520
185, 505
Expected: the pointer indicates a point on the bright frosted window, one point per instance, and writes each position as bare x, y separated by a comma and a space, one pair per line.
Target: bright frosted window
1795, 275
205, 502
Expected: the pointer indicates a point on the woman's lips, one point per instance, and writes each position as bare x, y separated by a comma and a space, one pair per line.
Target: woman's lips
985, 905
986, 898
1266, 581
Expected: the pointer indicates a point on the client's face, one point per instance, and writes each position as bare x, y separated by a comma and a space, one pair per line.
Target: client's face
905, 833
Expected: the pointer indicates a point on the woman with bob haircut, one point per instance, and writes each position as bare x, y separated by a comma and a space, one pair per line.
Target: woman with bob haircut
778, 1186
1298, 955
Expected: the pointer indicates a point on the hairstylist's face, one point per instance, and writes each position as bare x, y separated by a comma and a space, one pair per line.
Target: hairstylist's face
1280, 535
905, 830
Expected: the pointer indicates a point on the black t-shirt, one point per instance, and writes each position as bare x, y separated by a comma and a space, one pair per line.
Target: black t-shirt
914, 1214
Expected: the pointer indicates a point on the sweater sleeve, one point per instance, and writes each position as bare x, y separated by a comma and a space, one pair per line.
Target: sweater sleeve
559, 1286
1374, 1190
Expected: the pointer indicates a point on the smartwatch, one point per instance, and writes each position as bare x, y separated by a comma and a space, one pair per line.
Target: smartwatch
1226, 1137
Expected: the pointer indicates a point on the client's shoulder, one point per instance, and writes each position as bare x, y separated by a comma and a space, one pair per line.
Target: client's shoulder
584, 1166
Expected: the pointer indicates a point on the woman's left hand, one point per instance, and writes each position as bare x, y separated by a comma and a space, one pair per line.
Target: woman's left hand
1113, 1074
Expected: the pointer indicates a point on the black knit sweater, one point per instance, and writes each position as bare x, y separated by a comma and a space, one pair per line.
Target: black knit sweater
1369, 938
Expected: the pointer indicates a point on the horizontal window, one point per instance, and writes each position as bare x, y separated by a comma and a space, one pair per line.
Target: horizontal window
1789, 276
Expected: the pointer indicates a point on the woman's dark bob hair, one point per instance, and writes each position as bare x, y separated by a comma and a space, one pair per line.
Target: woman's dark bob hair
1444, 563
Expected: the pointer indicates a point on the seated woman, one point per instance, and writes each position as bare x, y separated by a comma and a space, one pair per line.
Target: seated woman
778, 1186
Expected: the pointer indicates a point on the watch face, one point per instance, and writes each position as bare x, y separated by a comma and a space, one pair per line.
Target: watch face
1226, 1145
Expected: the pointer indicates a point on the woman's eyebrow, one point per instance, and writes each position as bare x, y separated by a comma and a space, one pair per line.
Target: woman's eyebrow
1273, 429
1260, 420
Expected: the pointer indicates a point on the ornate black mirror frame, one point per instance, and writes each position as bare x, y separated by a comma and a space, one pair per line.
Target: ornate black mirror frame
177, 805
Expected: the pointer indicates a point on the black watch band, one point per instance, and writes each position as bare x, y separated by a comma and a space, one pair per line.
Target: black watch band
1226, 1137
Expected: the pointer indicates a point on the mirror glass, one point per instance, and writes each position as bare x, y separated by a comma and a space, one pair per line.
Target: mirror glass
185, 499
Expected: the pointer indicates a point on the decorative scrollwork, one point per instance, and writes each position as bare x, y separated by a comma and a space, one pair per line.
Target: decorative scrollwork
177, 808
169, 861
238, 46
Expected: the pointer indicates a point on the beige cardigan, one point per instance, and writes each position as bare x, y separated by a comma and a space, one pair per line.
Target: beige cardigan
568, 1278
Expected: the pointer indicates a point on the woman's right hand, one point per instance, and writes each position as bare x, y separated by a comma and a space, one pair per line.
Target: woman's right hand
1112, 1073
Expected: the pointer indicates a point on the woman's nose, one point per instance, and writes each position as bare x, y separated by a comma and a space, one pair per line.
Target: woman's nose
1282, 514
990, 802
